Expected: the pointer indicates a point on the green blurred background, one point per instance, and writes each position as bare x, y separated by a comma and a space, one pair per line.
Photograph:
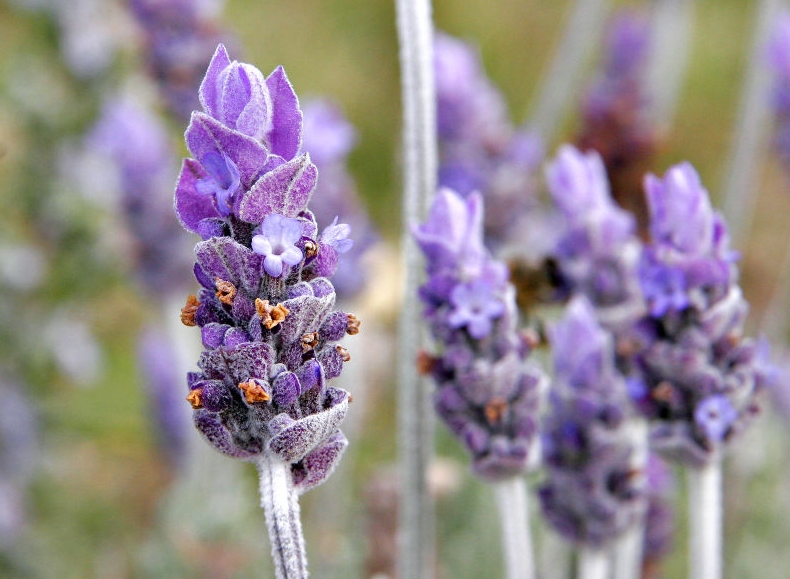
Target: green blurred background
103, 501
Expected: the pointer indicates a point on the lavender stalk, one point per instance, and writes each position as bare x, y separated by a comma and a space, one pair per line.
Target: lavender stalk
705, 520
583, 28
266, 306
511, 498
416, 541
593, 563
749, 142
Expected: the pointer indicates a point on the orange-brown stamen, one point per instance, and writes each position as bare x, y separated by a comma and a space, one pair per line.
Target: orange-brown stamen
353, 325
495, 409
344, 355
270, 315
195, 398
309, 341
226, 291
310, 249
189, 310
425, 363
253, 392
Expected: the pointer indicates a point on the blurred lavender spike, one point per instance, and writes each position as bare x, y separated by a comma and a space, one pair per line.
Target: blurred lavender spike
179, 37
137, 144
416, 551
330, 137
595, 487
582, 31
479, 148
487, 389
750, 132
672, 23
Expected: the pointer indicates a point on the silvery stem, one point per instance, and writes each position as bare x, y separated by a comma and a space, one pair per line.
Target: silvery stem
671, 26
511, 498
581, 33
415, 422
628, 548
705, 520
749, 134
281, 507
593, 563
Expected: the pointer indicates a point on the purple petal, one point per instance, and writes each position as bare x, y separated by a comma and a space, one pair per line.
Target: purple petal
191, 206
285, 138
284, 190
209, 93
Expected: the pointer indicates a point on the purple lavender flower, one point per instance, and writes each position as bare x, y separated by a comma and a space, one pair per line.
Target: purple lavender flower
266, 307
615, 112
486, 387
699, 375
594, 490
179, 36
330, 138
778, 59
479, 148
139, 148
597, 251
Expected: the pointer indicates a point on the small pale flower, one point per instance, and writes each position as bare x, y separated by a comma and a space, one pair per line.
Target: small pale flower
277, 243
475, 307
714, 415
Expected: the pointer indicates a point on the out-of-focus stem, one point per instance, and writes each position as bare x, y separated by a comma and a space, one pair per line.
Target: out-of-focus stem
511, 498
415, 423
593, 563
749, 135
705, 520
281, 506
557, 87
671, 25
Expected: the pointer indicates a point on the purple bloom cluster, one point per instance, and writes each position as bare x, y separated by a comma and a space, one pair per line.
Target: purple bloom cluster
597, 251
487, 389
266, 307
615, 112
698, 374
778, 57
479, 148
594, 489
138, 145
330, 138
179, 36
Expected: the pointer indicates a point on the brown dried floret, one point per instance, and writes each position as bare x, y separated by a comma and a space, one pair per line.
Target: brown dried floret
189, 310
310, 249
270, 315
226, 291
309, 341
253, 392
495, 409
344, 355
353, 325
195, 398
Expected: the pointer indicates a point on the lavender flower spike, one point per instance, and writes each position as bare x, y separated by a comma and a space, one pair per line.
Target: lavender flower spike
699, 377
266, 307
595, 490
487, 390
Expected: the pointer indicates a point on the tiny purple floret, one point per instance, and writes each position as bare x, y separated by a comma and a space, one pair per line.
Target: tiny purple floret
277, 243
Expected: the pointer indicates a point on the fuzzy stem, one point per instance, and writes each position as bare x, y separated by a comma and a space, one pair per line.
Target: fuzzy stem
581, 32
593, 563
281, 506
749, 134
415, 415
511, 498
672, 23
705, 520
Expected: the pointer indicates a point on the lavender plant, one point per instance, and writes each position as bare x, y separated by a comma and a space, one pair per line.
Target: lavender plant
266, 307
699, 376
594, 491
487, 389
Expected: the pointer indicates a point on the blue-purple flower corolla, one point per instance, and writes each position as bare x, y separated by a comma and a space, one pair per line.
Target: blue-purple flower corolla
266, 307
698, 376
596, 249
487, 390
778, 59
594, 488
479, 149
